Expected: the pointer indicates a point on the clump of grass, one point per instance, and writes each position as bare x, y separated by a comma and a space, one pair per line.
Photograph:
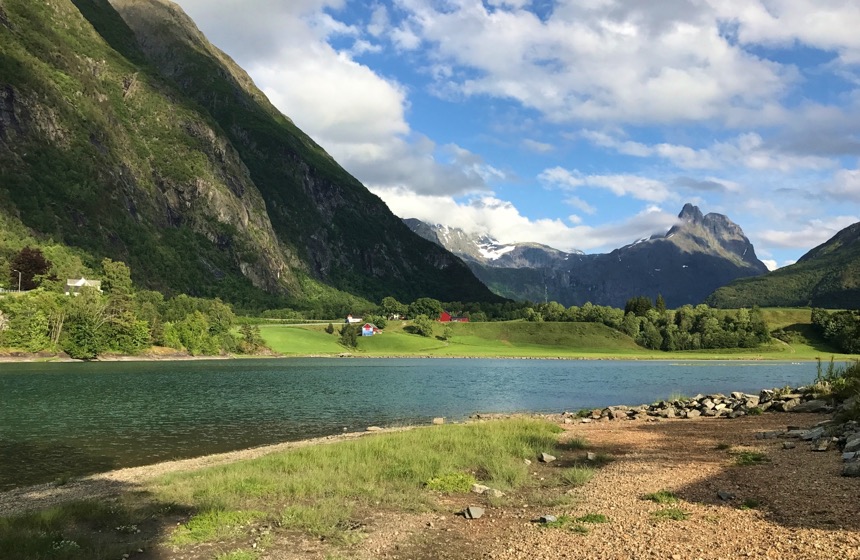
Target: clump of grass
673, 514
722, 446
661, 497
579, 529
583, 413
452, 483
214, 524
593, 518
680, 397
750, 458
560, 523
751, 503
238, 555
755, 411
573, 444
577, 475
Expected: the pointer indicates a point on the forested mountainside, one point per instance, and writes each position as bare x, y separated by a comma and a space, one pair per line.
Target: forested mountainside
125, 134
695, 257
827, 276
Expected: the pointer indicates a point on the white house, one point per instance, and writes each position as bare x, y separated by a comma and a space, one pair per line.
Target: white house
73, 287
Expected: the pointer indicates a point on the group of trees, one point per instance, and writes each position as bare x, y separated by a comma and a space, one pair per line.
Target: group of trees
119, 319
840, 328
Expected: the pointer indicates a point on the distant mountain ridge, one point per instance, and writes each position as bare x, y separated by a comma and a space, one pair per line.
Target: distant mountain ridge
696, 256
827, 276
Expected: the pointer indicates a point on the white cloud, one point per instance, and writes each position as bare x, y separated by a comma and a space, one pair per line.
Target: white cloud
748, 150
537, 147
809, 235
641, 188
845, 185
502, 220
622, 61
770, 264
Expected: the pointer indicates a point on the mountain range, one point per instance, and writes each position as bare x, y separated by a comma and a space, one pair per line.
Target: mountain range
699, 254
125, 134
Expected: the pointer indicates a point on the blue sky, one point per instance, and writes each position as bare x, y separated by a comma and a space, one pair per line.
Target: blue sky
581, 124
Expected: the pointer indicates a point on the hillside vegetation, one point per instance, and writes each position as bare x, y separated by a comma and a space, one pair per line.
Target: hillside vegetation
827, 276
125, 134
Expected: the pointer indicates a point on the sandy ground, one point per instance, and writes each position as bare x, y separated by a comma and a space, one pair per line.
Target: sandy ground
805, 509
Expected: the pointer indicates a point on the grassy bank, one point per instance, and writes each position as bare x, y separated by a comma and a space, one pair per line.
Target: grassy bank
324, 491
539, 340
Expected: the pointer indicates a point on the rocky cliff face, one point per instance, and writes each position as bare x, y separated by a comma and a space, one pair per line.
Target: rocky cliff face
126, 133
696, 256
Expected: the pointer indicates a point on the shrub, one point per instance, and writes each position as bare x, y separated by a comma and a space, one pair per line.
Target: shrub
452, 483
661, 497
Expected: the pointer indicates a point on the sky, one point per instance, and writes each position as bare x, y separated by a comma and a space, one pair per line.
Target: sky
580, 124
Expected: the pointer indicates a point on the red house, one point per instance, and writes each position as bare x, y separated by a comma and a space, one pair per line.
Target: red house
369, 329
446, 317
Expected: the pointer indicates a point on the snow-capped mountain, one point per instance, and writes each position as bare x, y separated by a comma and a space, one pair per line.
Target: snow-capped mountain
695, 257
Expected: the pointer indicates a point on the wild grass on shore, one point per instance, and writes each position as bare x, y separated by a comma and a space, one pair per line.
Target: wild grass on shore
319, 489
323, 490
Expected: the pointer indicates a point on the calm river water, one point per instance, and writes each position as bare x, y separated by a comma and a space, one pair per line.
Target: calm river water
60, 419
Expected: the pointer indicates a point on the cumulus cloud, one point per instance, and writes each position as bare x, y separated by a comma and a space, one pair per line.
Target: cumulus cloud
811, 234
502, 220
619, 61
748, 150
641, 188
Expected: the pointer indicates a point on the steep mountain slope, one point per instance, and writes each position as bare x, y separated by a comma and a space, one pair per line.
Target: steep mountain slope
125, 133
827, 276
697, 255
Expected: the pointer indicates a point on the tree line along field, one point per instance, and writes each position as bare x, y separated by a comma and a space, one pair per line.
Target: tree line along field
539, 340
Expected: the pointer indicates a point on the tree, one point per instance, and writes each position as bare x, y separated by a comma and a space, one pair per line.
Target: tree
329, 329
447, 332
349, 335
32, 266
639, 305
660, 304
423, 325
377, 320
117, 278
252, 341
425, 306
85, 334
392, 308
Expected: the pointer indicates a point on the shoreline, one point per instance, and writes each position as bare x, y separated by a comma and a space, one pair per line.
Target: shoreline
25, 358
109, 483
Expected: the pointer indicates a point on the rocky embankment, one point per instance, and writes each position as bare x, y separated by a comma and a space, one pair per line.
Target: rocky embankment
839, 433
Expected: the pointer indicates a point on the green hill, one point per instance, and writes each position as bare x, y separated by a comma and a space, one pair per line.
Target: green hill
124, 133
827, 276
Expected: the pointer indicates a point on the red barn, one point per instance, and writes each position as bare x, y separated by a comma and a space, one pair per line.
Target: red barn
446, 317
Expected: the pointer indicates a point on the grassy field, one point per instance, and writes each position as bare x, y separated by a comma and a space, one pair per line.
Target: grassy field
538, 340
326, 492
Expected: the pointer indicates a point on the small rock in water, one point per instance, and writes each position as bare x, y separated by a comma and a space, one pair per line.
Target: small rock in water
473, 512
546, 458
548, 519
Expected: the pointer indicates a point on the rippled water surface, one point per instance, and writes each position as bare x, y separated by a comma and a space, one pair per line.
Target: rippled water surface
68, 419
